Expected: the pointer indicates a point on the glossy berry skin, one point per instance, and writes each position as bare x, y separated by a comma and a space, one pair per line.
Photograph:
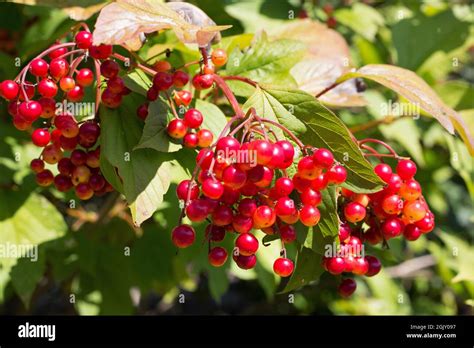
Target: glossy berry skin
44, 178
109, 68
307, 169
320, 183
361, 266
30, 110
62, 183
264, 216
283, 267
142, 111
84, 191
193, 118
57, 52
197, 210
205, 138
347, 287
337, 175
374, 266
58, 68
219, 57
217, 256
263, 150
234, 177
247, 207
84, 77
116, 85
335, 265
77, 94
9, 89
162, 65
215, 233
41, 137
177, 129
47, 88
100, 52
212, 188
162, 81
201, 82
384, 171
190, 140
183, 236
180, 79
411, 232
227, 145
406, 169
288, 151
245, 262
414, 210
410, 190
182, 98
247, 244
309, 215
344, 232
39, 67
183, 187
324, 158
354, 212
284, 186
392, 204
66, 84
37, 165
284, 206
222, 215
310, 197
426, 224
392, 227
83, 39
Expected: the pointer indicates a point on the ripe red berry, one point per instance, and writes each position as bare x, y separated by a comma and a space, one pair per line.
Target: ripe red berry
116, 85
100, 52
264, 216
190, 140
222, 215
283, 267
47, 88
426, 224
58, 52
284, 206
41, 137
9, 89
263, 151
234, 177
180, 79
37, 165
354, 212
324, 158
335, 265
384, 171
203, 81
247, 244
410, 190
392, 204
205, 138
344, 232
392, 227
309, 215
58, 67
247, 207
414, 210
142, 111
44, 178
77, 94
177, 129
66, 84
227, 146
288, 151
406, 169
320, 183
374, 266
30, 111
215, 233
337, 175
84, 191
183, 236
197, 210
62, 183
242, 224
217, 256
307, 169
212, 188
347, 287
109, 68
84, 77
83, 39
361, 266
182, 98
162, 81
310, 197
287, 233
284, 186
193, 118
245, 262
219, 57
39, 67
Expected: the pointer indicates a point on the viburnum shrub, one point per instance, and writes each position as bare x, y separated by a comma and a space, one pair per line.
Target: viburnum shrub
273, 159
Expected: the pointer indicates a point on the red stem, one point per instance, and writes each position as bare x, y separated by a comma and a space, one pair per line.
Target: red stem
380, 142
229, 95
242, 79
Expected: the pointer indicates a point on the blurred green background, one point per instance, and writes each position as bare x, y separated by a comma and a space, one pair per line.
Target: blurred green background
82, 268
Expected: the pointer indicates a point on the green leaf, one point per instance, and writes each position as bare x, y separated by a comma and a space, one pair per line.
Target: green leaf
325, 129
218, 282
137, 81
214, 118
362, 19
328, 225
25, 275
307, 268
267, 62
417, 38
146, 174
154, 133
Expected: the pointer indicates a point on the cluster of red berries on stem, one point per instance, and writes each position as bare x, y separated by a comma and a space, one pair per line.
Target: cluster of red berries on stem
241, 184
399, 209
56, 78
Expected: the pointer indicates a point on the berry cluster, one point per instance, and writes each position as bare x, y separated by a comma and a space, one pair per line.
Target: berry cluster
67, 143
397, 210
243, 185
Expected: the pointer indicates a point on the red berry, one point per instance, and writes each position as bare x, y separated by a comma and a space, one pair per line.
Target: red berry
190, 140
77, 94
384, 171
212, 188
410, 190
406, 169
204, 158
162, 81
180, 79
219, 57
47, 88
109, 68
62, 183
234, 177
116, 85
247, 207
215, 233
309, 215
414, 210
283, 267
288, 151
84, 77
183, 236
182, 98
30, 111
182, 190
324, 158
222, 215
307, 169
284, 186
39, 67
193, 118
101, 51
247, 244
347, 287
374, 266
57, 52
217, 256
392, 227
335, 265
177, 129
354, 212
344, 232
59, 67
242, 224
320, 183
245, 262
84, 191
287, 233
142, 111
37, 165
9, 89
44, 178
65, 166
337, 175
361, 266
203, 81
284, 206
205, 138
197, 210
392, 204
227, 146
41, 137
426, 224
264, 216
83, 39
310, 197
66, 84
263, 151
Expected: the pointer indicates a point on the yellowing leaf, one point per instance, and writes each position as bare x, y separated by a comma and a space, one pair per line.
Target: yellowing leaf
122, 23
327, 58
79, 10
417, 91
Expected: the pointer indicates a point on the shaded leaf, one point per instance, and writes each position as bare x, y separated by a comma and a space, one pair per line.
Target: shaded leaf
307, 268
